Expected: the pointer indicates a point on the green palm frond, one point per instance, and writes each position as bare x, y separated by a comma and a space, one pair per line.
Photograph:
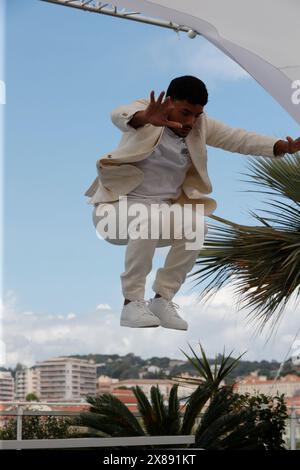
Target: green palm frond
281, 177
173, 415
194, 406
153, 414
145, 409
159, 408
109, 415
211, 376
220, 404
222, 427
208, 383
234, 431
261, 262
244, 436
158, 419
99, 424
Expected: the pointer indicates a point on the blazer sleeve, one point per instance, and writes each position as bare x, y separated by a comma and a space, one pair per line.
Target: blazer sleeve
239, 140
123, 114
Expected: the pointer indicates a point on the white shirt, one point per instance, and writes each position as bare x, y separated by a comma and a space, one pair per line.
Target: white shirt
164, 169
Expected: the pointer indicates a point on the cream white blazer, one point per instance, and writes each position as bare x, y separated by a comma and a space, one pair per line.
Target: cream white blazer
116, 176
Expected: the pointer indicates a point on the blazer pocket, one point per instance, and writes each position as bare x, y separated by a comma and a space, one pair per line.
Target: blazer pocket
122, 178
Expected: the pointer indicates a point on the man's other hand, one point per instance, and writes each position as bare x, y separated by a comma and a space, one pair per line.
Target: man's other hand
287, 146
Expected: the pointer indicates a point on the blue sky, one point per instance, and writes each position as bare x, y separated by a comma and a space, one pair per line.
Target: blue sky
65, 70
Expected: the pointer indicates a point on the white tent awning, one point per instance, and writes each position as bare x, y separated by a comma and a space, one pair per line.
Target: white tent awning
262, 36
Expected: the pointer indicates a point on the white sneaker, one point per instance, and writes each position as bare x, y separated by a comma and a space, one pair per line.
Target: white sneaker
166, 311
136, 314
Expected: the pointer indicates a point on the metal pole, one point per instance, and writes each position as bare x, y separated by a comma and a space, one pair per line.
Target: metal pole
19, 422
133, 16
293, 423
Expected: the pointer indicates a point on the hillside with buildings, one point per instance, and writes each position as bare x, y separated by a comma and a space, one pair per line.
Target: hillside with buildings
131, 366
70, 379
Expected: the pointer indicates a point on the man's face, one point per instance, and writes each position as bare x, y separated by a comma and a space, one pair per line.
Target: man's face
186, 114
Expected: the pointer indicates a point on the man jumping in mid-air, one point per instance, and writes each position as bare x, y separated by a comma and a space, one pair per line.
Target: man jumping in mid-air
162, 158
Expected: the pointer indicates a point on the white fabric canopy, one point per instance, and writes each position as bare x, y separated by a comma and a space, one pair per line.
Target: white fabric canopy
262, 36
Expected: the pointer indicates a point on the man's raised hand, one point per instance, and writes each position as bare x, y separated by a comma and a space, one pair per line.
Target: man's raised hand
157, 112
293, 145
287, 146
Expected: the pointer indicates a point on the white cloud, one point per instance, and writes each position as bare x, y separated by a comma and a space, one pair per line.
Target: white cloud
195, 57
28, 314
103, 307
71, 316
2, 353
29, 338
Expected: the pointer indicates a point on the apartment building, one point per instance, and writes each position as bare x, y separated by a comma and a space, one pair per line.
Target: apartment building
165, 385
27, 381
66, 379
253, 383
6, 386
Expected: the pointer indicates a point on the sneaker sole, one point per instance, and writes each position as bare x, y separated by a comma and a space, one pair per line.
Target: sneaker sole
174, 328
138, 326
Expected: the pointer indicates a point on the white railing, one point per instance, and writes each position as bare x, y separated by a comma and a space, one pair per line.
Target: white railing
88, 442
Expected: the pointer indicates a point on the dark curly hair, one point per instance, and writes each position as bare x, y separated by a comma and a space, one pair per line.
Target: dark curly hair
188, 88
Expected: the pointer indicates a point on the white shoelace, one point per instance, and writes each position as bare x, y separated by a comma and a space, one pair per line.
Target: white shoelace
173, 306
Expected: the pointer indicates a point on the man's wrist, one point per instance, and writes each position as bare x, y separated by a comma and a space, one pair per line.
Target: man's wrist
139, 119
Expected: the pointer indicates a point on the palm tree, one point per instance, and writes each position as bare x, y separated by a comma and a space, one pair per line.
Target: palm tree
226, 423
209, 383
261, 262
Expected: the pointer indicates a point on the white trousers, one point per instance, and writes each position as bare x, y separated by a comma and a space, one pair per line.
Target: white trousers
140, 252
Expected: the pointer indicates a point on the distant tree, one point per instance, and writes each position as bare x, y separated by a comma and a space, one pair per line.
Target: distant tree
31, 397
155, 375
162, 362
290, 368
130, 373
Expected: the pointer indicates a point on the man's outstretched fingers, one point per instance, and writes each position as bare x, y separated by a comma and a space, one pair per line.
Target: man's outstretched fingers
160, 98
